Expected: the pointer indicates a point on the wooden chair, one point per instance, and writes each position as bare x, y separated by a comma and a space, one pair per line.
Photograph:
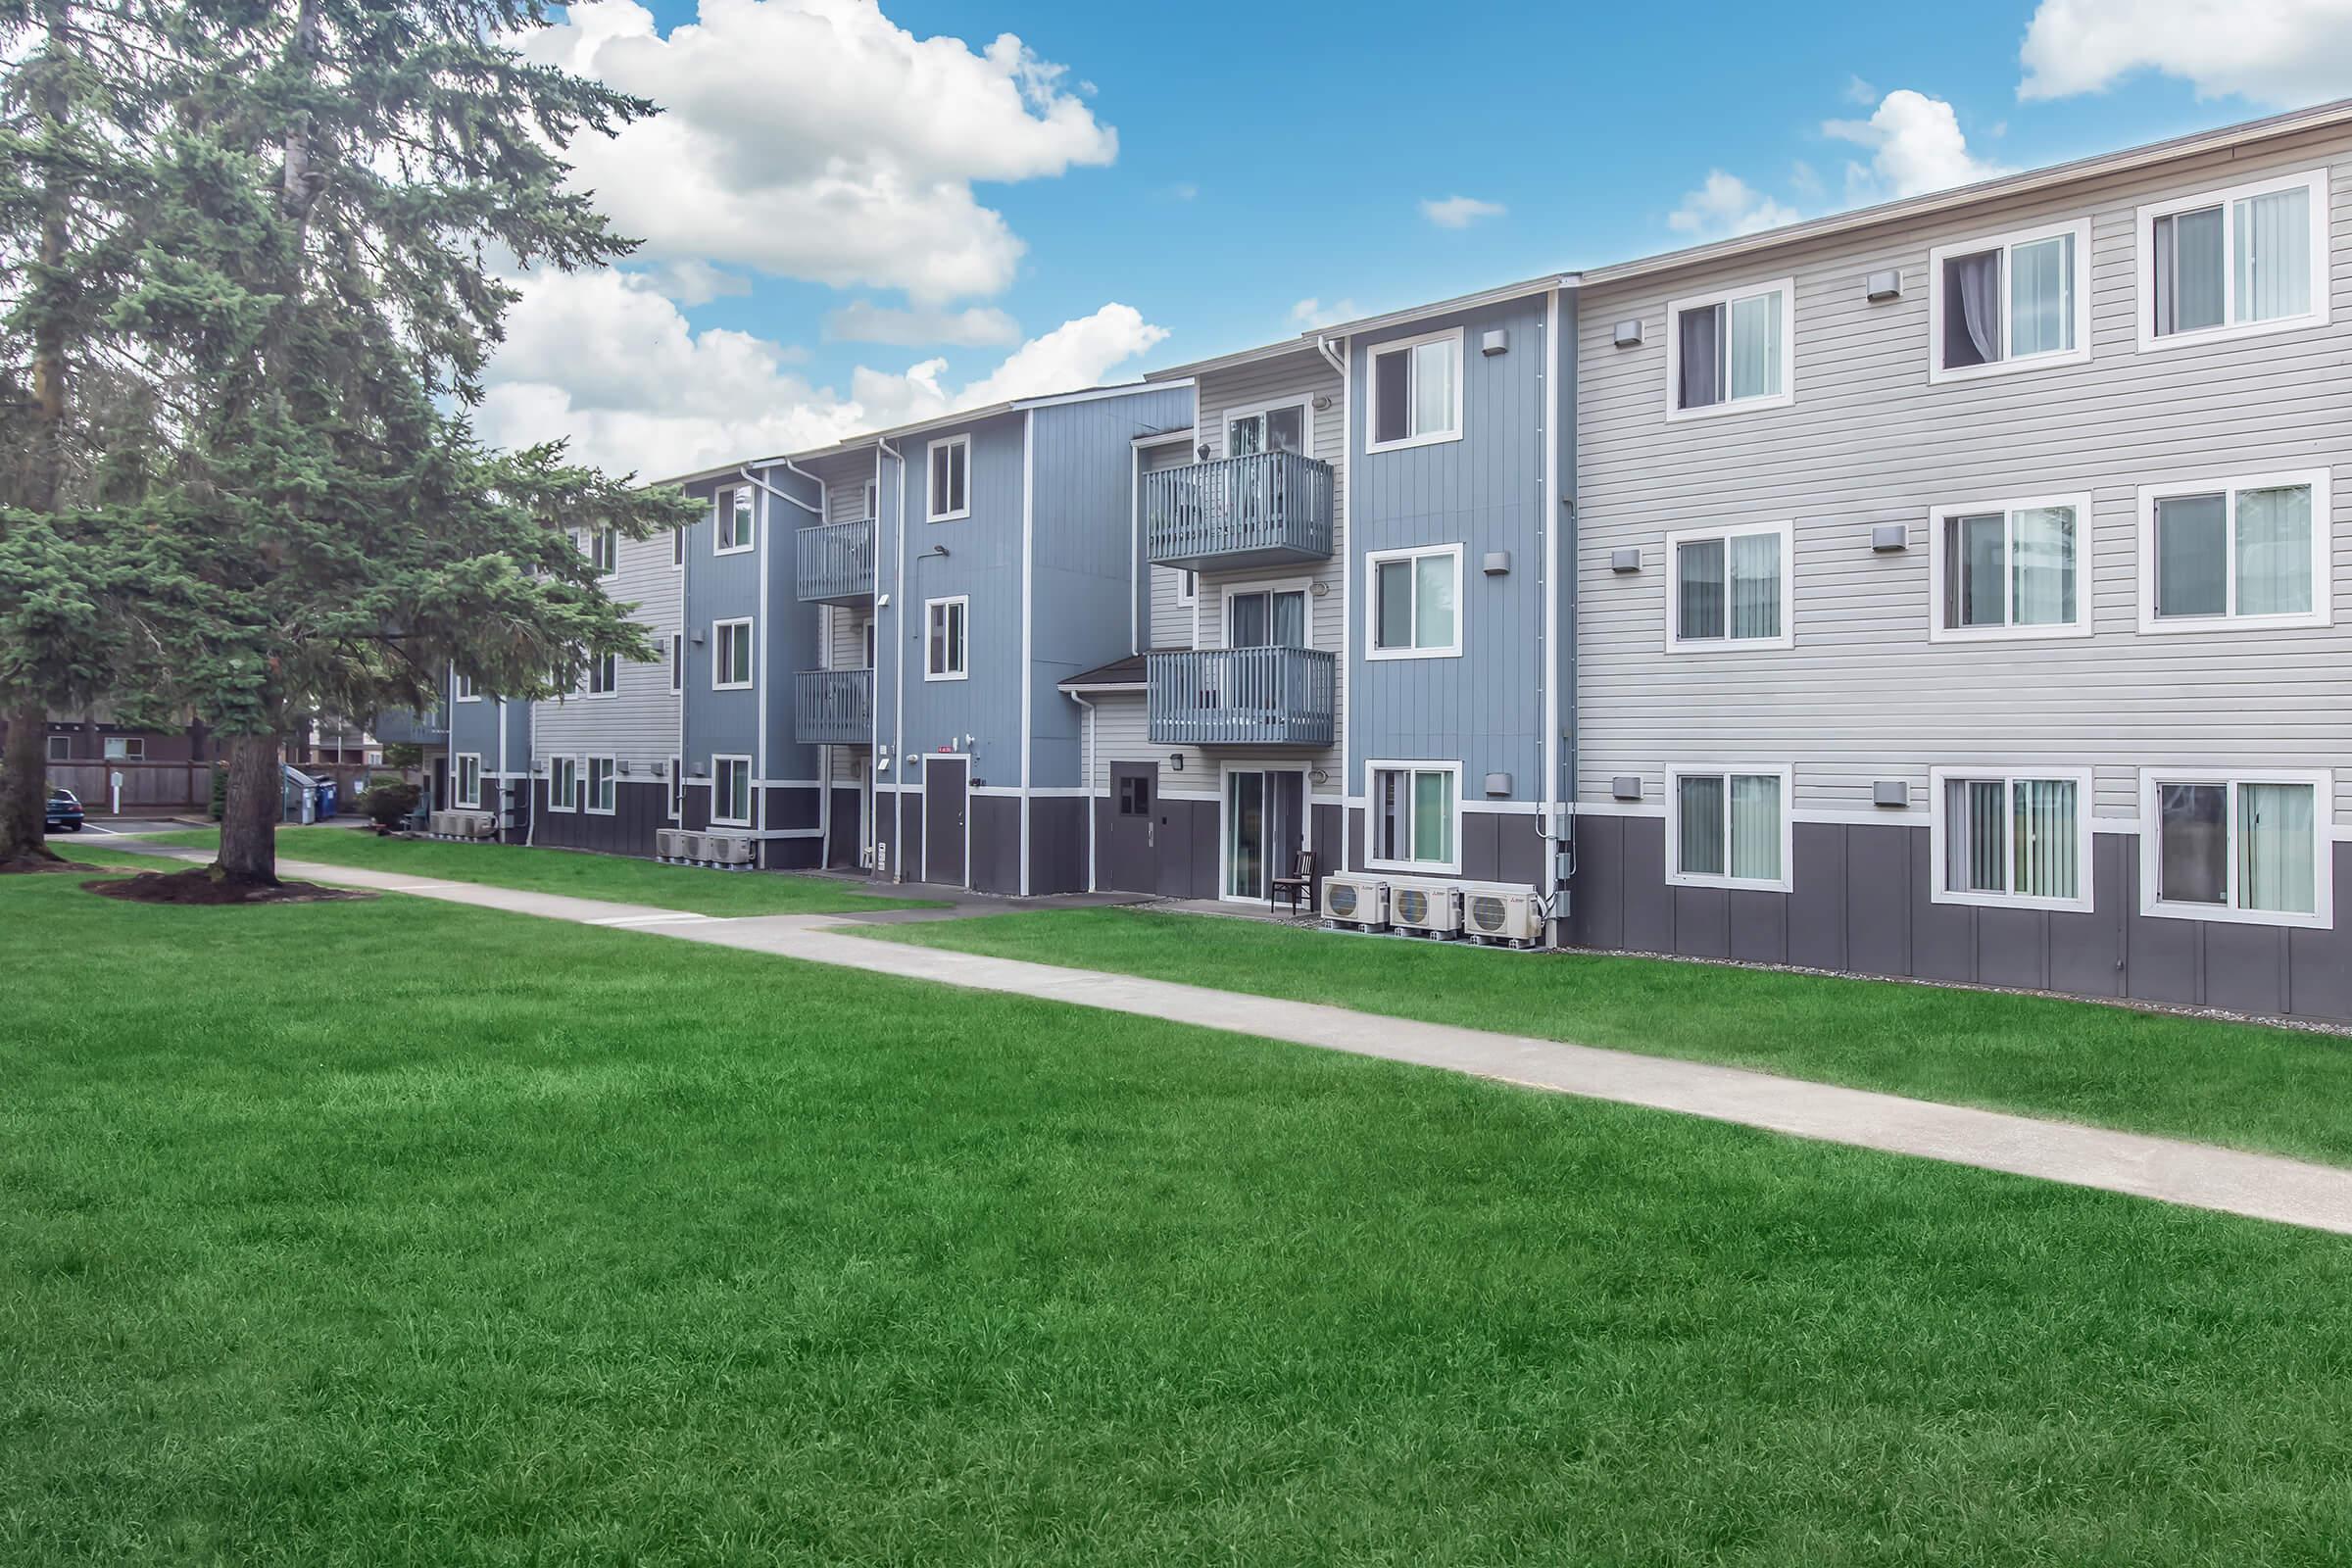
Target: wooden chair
1302, 884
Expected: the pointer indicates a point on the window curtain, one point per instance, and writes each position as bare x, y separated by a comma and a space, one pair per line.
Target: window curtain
1392, 815
2041, 296
1248, 614
2192, 556
2274, 551
2189, 271
2044, 839
1699, 589
2274, 255
2276, 865
1390, 417
1756, 826
1755, 351
1433, 388
1975, 838
1755, 569
1971, 309
2043, 567
1244, 436
1433, 602
1699, 825
1433, 818
1972, 585
1289, 619
1396, 610
1286, 429
2192, 844
1699, 331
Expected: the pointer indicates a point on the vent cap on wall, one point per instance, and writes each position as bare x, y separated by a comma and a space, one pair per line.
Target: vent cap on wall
1629, 333
1883, 285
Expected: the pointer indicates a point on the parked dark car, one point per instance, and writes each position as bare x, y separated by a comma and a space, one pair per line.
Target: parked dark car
65, 812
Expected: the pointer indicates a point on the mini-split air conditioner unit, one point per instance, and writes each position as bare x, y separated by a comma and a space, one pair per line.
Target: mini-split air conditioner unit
1502, 914
672, 844
474, 824
1425, 908
1360, 903
726, 849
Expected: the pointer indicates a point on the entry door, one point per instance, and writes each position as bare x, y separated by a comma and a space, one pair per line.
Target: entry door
1265, 813
1131, 848
946, 801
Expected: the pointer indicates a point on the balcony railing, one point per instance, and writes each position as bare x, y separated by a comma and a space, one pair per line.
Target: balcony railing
833, 707
412, 729
836, 563
1269, 508
1242, 697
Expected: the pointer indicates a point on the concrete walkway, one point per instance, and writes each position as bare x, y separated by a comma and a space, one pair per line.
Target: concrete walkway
2169, 1170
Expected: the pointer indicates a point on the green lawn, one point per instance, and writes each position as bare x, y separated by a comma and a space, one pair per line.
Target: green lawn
538, 870
2281, 1089
395, 1233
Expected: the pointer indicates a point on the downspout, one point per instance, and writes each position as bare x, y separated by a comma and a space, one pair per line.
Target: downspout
1028, 627
1548, 661
1135, 554
506, 785
1348, 616
898, 676
764, 659
1089, 792
824, 622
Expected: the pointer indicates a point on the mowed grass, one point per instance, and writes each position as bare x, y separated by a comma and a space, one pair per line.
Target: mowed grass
2276, 1090
396, 1233
579, 874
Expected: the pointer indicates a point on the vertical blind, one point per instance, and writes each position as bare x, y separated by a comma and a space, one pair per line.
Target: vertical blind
2041, 296
1729, 826
2273, 549
2274, 255
2013, 836
1727, 587
2255, 543
2278, 864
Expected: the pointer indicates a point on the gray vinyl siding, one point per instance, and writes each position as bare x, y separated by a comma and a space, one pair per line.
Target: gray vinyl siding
1863, 693
719, 588
792, 641
639, 724
1165, 622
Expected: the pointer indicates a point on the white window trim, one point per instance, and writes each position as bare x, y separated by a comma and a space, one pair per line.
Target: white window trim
2008, 365
1228, 592
719, 761
719, 529
1371, 582
931, 512
595, 660
718, 685
464, 689
133, 749
2322, 534
1373, 768
60, 749
595, 539
1675, 644
1186, 597
966, 673
1676, 876
1243, 410
2144, 285
2151, 846
677, 549
674, 789
1940, 516
677, 662
1461, 380
2009, 774
588, 785
1725, 297
475, 804
872, 495
571, 796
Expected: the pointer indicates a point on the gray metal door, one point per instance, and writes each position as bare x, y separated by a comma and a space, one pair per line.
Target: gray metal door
946, 801
1130, 848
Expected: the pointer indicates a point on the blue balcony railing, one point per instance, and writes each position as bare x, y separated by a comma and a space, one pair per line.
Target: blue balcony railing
1268, 509
1242, 697
836, 563
412, 729
833, 707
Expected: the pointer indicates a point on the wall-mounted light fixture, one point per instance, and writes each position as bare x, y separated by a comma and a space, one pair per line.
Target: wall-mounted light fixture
1175, 761
935, 550
1318, 776
1319, 588
1322, 402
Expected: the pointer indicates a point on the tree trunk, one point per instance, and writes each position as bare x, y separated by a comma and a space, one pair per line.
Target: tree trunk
25, 786
249, 816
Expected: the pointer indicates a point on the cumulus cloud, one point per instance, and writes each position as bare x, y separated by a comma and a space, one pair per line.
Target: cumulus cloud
817, 139
863, 321
1727, 205
1461, 211
2271, 50
1915, 144
1312, 312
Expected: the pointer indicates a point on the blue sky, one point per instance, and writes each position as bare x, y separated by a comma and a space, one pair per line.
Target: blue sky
1264, 155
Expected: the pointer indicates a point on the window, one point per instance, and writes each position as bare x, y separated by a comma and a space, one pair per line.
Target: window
1187, 589
730, 655
677, 549
2234, 262
737, 530
873, 504
2250, 847
1135, 794
1732, 351
463, 688
677, 788
2008, 569
731, 791
2013, 302
469, 787
564, 784
61, 748
1267, 618
1727, 828
1416, 391
1730, 588
677, 660
1415, 609
604, 674
603, 786
951, 490
945, 654
1415, 809
1270, 429
603, 548
866, 636
126, 748
2000, 835
2234, 553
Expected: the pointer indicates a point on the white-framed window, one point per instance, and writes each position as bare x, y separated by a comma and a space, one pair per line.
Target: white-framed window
603, 786
731, 791
948, 491
1414, 610
1728, 588
2019, 301
463, 688
1188, 588
604, 674
2246, 847
1269, 614
865, 639
677, 550
2011, 836
738, 529
1732, 351
1413, 813
1416, 391
1728, 827
563, 783
2220, 555
61, 748
873, 501
603, 548
2008, 569
126, 748
677, 789
2235, 262
1267, 427
677, 661
467, 790
947, 654
730, 655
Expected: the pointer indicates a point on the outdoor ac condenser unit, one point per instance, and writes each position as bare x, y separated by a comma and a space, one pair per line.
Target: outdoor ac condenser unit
669, 844
726, 849
1426, 909
1360, 902
1502, 913
473, 824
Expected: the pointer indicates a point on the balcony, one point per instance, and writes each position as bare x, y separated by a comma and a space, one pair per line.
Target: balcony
1242, 697
412, 729
836, 563
1269, 508
833, 707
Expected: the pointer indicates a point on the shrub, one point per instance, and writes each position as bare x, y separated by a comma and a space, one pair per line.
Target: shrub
389, 800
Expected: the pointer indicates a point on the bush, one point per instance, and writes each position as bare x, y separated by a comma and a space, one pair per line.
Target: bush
389, 800
403, 753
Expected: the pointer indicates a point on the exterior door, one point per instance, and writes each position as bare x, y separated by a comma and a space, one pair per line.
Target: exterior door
1246, 835
1131, 847
946, 803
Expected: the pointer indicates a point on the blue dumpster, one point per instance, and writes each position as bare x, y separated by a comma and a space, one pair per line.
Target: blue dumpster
327, 800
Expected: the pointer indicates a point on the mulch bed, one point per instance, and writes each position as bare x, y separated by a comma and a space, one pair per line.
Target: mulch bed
33, 864
200, 886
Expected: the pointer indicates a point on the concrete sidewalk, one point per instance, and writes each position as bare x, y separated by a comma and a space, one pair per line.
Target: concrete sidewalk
2169, 1170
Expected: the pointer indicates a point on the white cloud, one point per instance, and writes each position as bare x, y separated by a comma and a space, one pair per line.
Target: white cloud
1727, 205
604, 360
863, 321
2270, 51
693, 282
1312, 312
817, 139
1916, 145
1461, 211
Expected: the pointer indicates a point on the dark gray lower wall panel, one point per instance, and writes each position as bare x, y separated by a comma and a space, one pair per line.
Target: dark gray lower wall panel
1815, 926
1647, 923
1057, 844
847, 839
640, 809
1327, 836
898, 825
1355, 839
995, 844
